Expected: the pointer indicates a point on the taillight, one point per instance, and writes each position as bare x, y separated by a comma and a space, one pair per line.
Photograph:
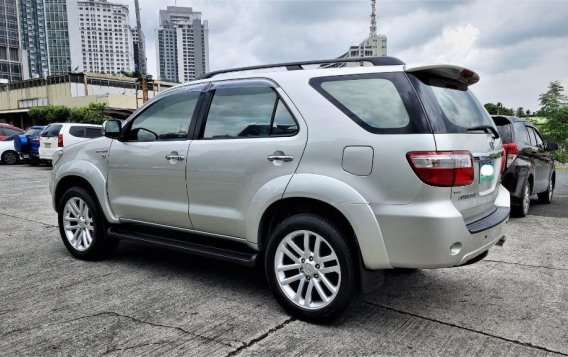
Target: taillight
442, 168
511, 151
60, 140
503, 161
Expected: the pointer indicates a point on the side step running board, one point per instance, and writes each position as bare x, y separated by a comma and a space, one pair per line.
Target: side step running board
246, 258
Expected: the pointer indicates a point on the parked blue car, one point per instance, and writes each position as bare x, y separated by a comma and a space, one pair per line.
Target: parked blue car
27, 144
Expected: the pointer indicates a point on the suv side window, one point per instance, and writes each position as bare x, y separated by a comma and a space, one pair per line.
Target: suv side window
537, 137
167, 119
247, 112
77, 131
521, 134
92, 133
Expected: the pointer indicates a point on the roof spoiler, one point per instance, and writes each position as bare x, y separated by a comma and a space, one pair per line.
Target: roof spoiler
460, 74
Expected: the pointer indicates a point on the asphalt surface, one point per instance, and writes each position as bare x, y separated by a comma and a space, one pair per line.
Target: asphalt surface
150, 302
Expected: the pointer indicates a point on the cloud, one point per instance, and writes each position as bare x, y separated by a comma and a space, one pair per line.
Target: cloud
518, 47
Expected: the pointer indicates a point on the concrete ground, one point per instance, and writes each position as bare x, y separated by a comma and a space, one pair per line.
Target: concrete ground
150, 302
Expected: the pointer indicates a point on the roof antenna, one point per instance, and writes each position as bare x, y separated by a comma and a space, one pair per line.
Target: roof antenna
373, 19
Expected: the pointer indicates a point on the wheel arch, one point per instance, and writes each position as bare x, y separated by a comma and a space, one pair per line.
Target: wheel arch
310, 193
83, 174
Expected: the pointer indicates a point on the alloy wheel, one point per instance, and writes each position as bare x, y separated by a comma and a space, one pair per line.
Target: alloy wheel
526, 199
307, 269
78, 224
10, 158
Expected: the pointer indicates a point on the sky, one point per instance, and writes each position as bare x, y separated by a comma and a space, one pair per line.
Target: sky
517, 47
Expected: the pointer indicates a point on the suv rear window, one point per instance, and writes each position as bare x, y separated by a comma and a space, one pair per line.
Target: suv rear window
505, 129
51, 130
521, 134
382, 103
451, 107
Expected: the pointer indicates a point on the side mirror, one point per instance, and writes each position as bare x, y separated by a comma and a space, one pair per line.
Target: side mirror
112, 128
551, 147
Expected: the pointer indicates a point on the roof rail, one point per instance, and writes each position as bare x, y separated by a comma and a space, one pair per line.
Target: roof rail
292, 66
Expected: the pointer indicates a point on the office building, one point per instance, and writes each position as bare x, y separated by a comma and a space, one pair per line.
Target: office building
105, 37
182, 45
33, 31
13, 58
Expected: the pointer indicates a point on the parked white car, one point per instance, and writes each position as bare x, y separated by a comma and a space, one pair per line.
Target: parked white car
58, 135
8, 153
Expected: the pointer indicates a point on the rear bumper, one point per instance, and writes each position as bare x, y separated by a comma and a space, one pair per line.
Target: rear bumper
434, 235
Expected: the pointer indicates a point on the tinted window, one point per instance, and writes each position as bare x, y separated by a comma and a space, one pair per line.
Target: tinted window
375, 101
459, 107
521, 134
506, 132
451, 106
77, 131
167, 119
536, 136
284, 123
381, 103
9, 138
93, 132
240, 112
51, 130
8, 131
32, 132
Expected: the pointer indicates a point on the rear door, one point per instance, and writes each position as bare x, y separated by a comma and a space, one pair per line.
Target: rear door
249, 141
453, 111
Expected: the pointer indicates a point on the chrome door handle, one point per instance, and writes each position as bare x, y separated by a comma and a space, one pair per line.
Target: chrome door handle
284, 158
175, 156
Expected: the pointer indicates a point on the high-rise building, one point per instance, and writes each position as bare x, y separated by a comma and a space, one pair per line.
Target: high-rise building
61, 34
182, 44
374, 45
105, 37
33, 31
13, 58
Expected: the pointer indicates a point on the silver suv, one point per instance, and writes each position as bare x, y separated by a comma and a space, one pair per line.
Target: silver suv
325, 172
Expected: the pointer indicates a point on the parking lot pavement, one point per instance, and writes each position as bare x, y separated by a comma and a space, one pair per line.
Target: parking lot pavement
149, 301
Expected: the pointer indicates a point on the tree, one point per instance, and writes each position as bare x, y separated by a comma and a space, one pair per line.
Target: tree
553, 99
554, 106
498, 109
49, 114
520, 112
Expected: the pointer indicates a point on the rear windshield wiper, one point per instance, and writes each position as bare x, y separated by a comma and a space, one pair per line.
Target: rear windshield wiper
487, 129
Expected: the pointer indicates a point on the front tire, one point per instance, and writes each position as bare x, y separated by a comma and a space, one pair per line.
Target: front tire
310, 267
82, 225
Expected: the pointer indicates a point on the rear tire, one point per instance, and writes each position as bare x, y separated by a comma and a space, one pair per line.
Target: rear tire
317, 281
546, 196
82, 226
10, 157
522, 209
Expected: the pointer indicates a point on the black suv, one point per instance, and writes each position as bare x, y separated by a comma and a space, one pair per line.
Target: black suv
530, 168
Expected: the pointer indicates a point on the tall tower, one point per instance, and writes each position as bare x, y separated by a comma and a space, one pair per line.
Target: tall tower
374, 45
182, 44
33, 33
13, 58
373, 19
